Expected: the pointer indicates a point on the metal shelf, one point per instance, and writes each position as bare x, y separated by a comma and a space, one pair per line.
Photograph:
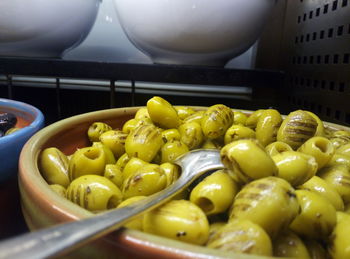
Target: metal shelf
258, 87
139, 72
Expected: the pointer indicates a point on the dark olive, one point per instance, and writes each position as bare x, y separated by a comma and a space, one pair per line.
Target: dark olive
7, 121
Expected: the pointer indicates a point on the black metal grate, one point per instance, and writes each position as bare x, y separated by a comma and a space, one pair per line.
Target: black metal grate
263, 83
317, 57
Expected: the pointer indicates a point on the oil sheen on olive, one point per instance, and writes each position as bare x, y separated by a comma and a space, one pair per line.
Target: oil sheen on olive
296, 128
269, 202
248, 159
216, 120
144, 142
162, 113
180, 220
54, 166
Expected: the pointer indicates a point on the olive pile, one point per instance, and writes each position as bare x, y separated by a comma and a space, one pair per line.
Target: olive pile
7, 123
284, 191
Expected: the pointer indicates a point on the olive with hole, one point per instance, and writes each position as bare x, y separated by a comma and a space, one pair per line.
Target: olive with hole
87, 160
94, 192
215, 193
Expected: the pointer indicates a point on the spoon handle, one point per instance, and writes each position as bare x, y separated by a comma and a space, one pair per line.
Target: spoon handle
63, 238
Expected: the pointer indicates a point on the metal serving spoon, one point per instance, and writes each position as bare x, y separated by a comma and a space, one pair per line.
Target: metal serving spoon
63, 238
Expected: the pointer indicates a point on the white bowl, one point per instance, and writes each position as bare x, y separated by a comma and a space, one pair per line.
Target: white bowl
193, 32
37, 28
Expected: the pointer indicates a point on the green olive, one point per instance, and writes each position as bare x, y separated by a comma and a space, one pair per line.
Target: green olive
320, 148
239, 117
267, 126
170, 135
94, 193
340, 138
122, 161
316, 249
320, 186
295, 167
11, 130
110, 159
114, 174
144, 142
142, 113
238, 131
170, 151
162, 113
242, 236
191, 134
277, 147
339, 159
96, 129
269, 202
59, 189
115, 141
197, 117
317, 217
339, 246
214, 228
211, 144
320, 131
183, 111
253, 118
172, 172
54, 166
179, 220
132, 124
87, 160
289, 244
215, 193
338, 176
296, 128
248, 159
136, 223
145, 181
132, 166
216, 120
344, 150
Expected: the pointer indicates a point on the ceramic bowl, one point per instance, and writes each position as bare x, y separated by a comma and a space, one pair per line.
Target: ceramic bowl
42, 207
30, 120
36, 28
193, 32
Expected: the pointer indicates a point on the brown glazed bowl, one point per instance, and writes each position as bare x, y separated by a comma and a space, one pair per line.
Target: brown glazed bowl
42, 207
